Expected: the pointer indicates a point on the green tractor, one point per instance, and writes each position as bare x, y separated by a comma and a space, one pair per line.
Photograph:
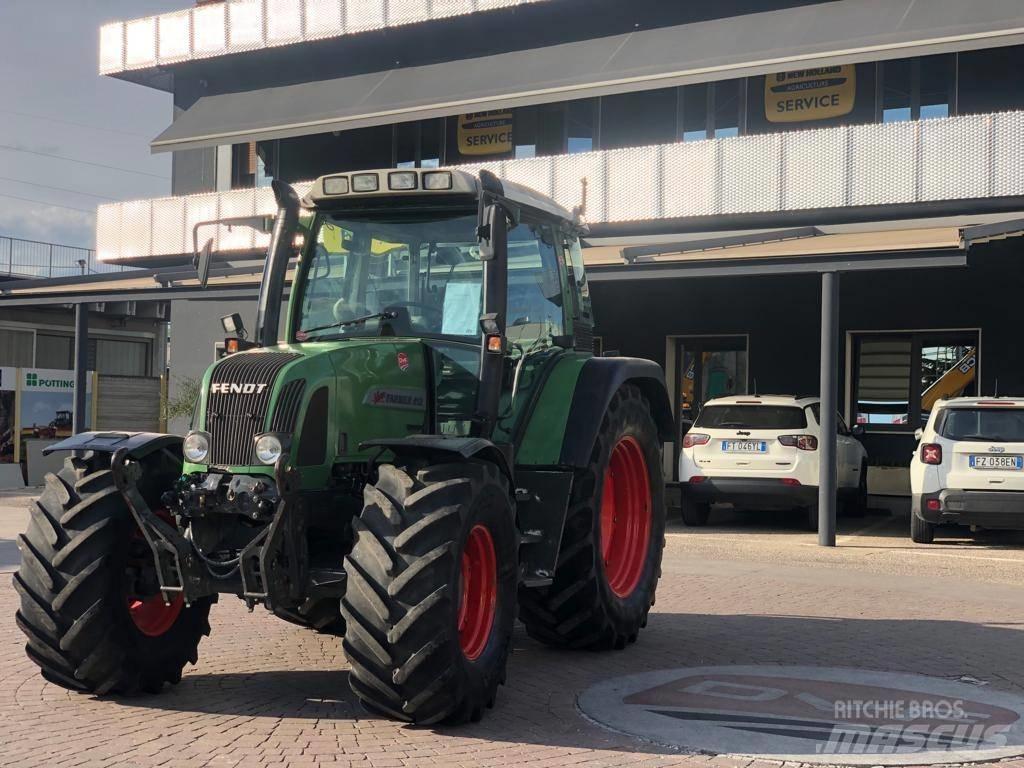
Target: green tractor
431, 450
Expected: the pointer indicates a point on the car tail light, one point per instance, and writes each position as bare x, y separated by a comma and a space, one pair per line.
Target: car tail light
691, 439
697, 479
790, 481
803, 442
933, 505
931, 453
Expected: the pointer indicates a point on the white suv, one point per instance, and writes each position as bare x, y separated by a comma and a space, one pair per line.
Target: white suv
968, 468
761, 452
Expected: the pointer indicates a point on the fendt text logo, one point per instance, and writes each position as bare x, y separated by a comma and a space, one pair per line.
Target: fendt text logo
223, 388
33, 380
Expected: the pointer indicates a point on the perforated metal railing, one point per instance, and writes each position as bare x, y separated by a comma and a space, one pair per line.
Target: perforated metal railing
216, 29
978, 156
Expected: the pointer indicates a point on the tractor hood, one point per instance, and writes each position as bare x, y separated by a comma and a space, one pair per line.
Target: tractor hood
321, 398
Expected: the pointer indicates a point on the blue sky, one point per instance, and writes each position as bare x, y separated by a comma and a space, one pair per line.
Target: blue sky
48, 73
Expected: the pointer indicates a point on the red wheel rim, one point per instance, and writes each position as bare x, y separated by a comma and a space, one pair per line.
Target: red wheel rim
151, 616
479, 588
625, 517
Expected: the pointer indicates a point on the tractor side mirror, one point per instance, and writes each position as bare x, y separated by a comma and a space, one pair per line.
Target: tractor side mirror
201, 262
490, 225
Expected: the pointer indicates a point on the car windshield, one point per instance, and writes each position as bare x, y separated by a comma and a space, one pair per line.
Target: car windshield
751, 417
420, 276
996, 424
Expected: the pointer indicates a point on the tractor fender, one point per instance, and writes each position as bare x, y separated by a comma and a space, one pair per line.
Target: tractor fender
426, 446
135, 444
599, 380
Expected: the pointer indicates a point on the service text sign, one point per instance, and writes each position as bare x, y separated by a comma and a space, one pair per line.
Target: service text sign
485, 133
810, 94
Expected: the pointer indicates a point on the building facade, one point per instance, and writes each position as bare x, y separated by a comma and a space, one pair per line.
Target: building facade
732, 154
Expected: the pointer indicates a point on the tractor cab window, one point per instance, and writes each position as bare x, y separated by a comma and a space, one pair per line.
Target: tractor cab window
401, 276
535, 296
420, 275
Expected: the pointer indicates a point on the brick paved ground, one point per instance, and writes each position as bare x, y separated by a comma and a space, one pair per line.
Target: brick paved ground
267, 693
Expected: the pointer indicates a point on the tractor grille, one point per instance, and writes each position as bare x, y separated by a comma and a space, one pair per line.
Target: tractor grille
234, 417
287, 410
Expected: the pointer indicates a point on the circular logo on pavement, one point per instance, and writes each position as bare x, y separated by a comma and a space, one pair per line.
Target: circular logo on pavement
812, 715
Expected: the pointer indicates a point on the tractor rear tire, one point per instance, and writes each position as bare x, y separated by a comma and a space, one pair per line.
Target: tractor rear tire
605, 577
430, 597
87, 629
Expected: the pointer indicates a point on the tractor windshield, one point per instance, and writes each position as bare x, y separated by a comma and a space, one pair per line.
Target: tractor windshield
418, 275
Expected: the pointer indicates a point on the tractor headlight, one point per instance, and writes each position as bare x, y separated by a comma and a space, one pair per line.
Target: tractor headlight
268, 448
196, 447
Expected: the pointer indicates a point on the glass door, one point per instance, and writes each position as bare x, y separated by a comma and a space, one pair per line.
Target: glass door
707, 367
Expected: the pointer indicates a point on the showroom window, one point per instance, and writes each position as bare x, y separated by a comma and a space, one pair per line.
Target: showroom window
581, 117
898, 377
638, 119
16, 347
917, 89
116, 357
710, 110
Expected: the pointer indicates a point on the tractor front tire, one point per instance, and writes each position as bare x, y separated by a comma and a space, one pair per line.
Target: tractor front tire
89, 628
430, 598
610, 559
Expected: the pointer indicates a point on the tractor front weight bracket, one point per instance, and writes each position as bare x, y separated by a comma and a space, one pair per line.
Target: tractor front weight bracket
273, 565
177, 569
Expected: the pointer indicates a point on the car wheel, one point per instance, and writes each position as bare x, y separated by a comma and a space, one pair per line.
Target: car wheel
695, 513
921, 531
857, 504
811, 518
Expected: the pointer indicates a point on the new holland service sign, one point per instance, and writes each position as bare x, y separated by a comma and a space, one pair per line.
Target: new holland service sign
810, 94
485, 133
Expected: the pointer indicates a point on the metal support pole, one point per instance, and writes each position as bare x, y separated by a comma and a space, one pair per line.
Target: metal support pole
81, 363
827, 480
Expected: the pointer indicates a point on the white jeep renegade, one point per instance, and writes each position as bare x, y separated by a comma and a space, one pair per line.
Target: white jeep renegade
761, 452
968, 468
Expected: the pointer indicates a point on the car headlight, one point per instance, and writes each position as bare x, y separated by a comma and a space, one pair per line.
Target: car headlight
268, 448
196, 447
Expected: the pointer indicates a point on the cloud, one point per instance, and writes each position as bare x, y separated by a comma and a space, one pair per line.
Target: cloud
47, 223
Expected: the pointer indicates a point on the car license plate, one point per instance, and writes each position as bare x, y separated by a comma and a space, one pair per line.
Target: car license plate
990, 461
744, 446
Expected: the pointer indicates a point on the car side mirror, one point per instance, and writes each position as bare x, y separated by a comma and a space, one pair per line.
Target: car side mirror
857, 430
918, 434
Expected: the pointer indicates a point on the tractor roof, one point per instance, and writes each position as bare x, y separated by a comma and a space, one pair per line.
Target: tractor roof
337, 187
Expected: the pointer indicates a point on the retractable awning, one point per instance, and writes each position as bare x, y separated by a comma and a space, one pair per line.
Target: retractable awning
760, 43
810, 251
